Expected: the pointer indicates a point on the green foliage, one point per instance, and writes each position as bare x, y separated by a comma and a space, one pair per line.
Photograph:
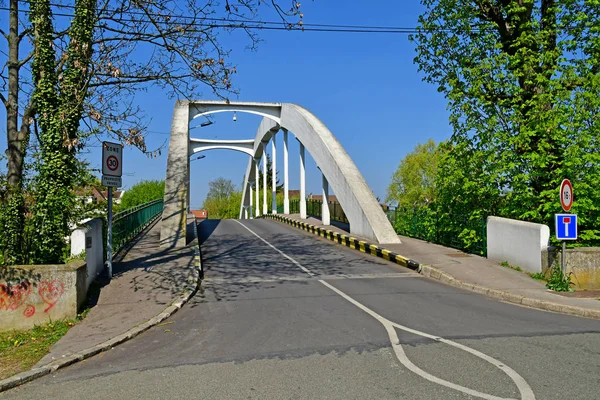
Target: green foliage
140, 193
413, 183
222, 200
21, 350
279, 187
522, 81
540, 276
558, 281
461, 231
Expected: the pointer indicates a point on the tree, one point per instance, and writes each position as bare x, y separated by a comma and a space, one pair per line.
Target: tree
222, 200
278, 186
522, 79
413, 183
88, 72
142, 192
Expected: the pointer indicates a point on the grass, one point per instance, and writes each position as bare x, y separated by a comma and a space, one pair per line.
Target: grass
507, 265
21, 350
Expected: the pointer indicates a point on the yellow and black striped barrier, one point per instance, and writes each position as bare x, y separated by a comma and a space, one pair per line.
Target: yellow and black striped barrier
348, 241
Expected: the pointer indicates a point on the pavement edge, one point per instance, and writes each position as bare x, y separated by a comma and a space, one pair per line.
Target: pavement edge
434, 273
190, 289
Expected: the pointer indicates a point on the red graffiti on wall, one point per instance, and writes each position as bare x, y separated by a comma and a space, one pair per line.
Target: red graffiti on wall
29, 311
13, 297
50, 292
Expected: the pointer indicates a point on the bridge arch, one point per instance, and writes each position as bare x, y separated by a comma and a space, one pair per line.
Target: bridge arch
356, 198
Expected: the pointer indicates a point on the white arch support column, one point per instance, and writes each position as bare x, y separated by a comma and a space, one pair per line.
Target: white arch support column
265, 209
286, 185
274, 176
302, 183
250, 183
325, 215
257, 187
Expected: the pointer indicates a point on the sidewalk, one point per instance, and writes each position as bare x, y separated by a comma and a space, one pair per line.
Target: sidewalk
145, 282
478, 274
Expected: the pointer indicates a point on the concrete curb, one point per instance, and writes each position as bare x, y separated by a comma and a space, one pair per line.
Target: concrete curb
434, 273
348, 241
192, 286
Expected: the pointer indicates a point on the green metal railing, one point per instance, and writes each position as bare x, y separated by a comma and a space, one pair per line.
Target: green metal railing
128, 223
453, 230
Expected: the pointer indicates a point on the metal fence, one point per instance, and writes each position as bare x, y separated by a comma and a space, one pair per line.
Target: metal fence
462, 232
128, 223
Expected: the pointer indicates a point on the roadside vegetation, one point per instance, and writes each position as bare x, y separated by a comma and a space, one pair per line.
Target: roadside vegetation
523, 92
21, 350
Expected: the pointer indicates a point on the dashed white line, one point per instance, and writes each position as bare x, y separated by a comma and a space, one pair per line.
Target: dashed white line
524, 388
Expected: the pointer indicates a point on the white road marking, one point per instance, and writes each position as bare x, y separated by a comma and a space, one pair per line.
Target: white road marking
524, 388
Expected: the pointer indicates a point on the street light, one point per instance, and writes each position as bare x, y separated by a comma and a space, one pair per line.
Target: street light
198, 158
202, 125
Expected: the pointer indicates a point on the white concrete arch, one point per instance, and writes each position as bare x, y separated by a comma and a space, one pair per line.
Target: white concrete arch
364, 213
356, 198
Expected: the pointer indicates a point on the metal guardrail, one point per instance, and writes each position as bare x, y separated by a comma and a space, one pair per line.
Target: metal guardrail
128, 223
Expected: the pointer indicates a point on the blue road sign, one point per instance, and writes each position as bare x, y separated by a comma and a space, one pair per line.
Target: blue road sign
566, 226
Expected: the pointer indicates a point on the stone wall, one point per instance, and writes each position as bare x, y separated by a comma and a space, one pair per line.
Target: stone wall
36, 294
582, 262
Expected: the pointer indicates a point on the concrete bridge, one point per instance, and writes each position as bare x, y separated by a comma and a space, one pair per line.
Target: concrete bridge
338, 170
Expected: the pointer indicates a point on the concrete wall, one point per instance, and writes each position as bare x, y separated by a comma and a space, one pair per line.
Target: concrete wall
88, 238
36, 294
517, 242
582, 262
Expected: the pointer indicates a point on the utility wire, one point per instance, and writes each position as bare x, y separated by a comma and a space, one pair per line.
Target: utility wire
233, 20
257, 25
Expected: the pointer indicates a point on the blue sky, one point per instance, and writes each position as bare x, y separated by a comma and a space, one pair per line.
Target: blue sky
364, 87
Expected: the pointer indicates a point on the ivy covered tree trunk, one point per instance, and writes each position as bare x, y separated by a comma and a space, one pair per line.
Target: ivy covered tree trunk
59, 104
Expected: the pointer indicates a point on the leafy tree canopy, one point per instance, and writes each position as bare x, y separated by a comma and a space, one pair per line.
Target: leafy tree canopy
413, 183
142, 192
522, 79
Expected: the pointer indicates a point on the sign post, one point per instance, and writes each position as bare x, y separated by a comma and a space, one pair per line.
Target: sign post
565, 224
112, 169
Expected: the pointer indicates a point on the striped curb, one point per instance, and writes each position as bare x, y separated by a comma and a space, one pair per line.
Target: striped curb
434, 273
348, 241
193, 282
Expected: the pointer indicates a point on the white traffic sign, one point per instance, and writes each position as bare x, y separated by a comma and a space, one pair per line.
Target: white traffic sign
112, 159
566, 195
112, 181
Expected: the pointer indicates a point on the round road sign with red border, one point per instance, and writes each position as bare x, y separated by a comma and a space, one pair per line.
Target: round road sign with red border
566, 195
112, 163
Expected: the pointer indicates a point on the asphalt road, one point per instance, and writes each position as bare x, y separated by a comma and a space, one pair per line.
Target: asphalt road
285, 315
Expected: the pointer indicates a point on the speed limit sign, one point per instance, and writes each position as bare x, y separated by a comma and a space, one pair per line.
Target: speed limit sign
112, 157
566, 195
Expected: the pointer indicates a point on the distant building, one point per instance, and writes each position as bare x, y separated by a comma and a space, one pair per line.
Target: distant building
95, 195
200, 214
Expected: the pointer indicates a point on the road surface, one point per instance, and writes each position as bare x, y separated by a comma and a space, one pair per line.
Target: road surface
285, 315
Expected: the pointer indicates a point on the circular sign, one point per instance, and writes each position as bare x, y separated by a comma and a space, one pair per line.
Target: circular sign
566, 195
112, 163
